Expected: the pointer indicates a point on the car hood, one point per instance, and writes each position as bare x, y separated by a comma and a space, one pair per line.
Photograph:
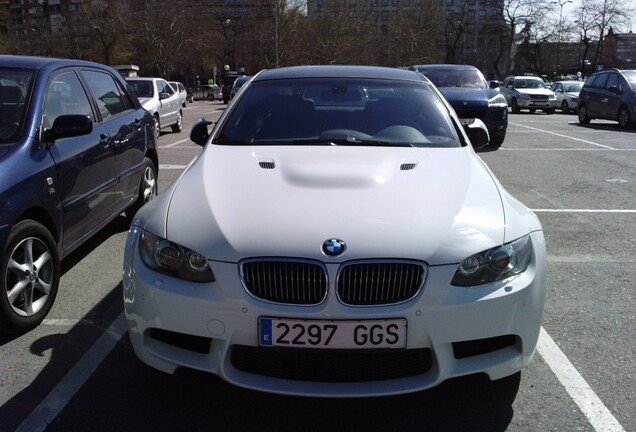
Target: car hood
235, 202
465, 96
572, 94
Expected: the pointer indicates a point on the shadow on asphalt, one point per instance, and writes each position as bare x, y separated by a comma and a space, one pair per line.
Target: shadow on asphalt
123, 394
126, 395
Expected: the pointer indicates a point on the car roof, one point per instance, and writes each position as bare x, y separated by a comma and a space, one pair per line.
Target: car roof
48, 63
444, 66
338, 71
143, 79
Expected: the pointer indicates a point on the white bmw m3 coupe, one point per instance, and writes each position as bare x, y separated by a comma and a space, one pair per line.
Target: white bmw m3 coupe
337, 236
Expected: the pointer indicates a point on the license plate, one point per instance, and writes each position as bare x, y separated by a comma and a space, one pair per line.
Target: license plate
324, 334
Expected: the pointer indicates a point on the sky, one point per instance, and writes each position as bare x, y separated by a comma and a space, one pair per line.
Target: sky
569, 12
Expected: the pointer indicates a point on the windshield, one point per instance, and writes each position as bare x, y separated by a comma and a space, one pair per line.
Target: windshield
631, 77
15, 85
573, 87
142, 88
530, 83
470, 78
339, 111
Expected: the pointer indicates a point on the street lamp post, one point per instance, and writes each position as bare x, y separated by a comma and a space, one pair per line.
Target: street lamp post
276, 31
561, 3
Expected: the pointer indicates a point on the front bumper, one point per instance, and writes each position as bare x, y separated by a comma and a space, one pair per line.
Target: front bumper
537, 104
490, 329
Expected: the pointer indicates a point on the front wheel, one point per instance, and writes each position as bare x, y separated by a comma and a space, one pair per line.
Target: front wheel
514, 106
155, 119
565, 108
624, 119
583, 117
497, 138
147, 187
30, 276
178, 126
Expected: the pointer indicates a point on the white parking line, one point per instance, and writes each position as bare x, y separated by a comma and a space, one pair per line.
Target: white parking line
584, 211
592, 407
564, 136
175, 143
53, 404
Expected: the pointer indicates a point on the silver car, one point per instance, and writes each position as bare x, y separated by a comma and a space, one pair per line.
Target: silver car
160, 100
181, 90
567, 94
528, 92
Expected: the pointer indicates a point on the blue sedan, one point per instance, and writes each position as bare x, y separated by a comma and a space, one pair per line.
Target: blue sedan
76, 150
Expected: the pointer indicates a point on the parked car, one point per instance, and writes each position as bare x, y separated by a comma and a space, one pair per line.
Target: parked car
228, 82
181, 90
161, 101
76, 150
611, 95
567, 94
238, 83
471, 96
528, 92
385, 258
212, 92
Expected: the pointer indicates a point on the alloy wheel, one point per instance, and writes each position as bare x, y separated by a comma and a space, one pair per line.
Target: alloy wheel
29, 276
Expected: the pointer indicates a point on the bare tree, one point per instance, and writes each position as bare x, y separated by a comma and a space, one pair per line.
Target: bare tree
162, 32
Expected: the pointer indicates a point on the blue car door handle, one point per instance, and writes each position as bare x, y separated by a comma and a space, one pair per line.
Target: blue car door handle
104, 140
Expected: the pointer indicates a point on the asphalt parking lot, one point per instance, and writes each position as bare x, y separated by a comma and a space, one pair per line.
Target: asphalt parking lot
77, 371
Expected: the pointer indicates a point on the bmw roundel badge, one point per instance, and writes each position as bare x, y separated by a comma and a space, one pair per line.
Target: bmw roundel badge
333, 247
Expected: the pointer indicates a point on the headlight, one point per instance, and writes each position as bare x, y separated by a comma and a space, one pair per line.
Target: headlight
174, 260
494, 264
524, 96
498, 100
552, 97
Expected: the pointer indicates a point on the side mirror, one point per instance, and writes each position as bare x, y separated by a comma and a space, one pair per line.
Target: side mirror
477, 133
164, 95
493, 84
614, 89
199, 133
66, 126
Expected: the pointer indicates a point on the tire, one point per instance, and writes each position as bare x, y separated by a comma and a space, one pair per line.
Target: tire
549, 110
532, 110
155, 118
147, 188
565, 108
624, 119
514, 106
30, 271
497, 138
178, 126
583, 117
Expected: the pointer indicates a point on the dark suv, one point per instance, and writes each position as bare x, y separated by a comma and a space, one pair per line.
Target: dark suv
471, 96
611, 95
76, 150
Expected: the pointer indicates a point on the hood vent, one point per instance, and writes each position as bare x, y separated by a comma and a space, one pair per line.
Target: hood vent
407, 166
267, 164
